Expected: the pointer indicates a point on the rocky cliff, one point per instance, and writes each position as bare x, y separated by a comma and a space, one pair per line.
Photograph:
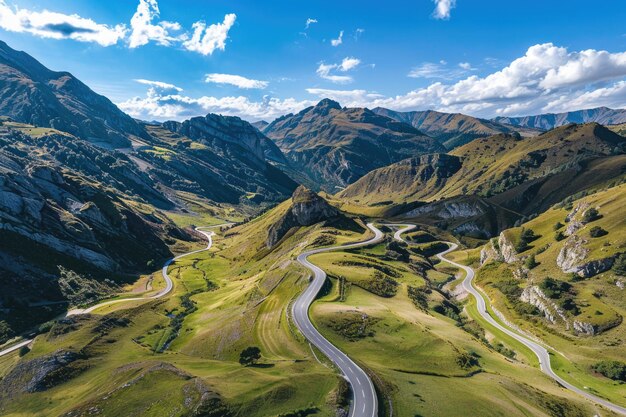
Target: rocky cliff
307, 208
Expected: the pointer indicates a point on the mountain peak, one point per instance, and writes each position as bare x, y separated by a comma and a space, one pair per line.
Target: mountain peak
328, 104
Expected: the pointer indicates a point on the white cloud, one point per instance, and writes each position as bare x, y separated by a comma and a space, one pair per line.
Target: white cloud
438, 70
159, 84
443, 8
325, 71
236, 80
349, 63
465, 65
338, 41
206, 39
157, 106
309, 22
349, 98
54, 25
144, 31
546, 79
357, 33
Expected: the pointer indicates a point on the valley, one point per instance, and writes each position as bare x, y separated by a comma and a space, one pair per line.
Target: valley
332, 261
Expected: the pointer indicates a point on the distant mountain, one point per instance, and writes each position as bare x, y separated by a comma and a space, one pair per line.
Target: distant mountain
602, 115
525, 175
335, 146
33, 94
260, 125
452, 129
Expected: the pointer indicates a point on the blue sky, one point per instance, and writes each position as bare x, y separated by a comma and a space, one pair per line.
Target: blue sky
258, 59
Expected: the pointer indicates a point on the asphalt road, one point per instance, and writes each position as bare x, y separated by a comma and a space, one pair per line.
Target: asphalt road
169, 285
540, 351
364, 400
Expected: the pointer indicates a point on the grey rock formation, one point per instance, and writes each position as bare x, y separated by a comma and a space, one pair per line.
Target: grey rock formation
307, 208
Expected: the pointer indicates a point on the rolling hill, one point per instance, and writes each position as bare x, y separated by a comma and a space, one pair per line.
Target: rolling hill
525, 175
453, 129
335, 146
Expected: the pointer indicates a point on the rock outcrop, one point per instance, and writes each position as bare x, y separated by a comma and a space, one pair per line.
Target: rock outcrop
307, 208
534, 296
572, 254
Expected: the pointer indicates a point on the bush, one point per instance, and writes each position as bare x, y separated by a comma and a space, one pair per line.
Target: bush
597, 231
557, 226
591, 215
531, 262
553, 288
466, 361
249, 355
525, 238
559, 236
611, 369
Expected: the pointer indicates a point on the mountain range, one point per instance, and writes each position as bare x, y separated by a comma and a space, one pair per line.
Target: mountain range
602, 115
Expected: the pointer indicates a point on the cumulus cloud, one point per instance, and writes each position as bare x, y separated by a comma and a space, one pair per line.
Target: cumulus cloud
206, 39
328, 71
338, 41
144, 30
465, 65
145, 27
54, 25
547, 78
236, 80
158, 106
309, 22
443, 8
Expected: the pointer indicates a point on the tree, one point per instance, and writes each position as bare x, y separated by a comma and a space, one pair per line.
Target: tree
597, 231
590, 215
559, 236
557, 226
249, 355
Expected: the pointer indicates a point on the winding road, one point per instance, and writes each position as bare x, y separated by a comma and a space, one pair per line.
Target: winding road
539, 351
169, 285
365, 402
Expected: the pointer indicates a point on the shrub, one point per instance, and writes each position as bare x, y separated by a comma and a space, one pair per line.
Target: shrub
249, 355
559, 236
611, 369
466, 361
525, 238
591, 215
557, 226
531, 262
597, 231
553, 288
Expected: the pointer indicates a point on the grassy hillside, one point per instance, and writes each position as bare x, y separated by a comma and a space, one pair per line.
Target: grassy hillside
525, 175
566, 283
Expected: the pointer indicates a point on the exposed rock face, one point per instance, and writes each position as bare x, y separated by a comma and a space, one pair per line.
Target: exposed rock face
571, 259
30, 376
307, 208
572, 254
533, 295
507, 249
499, 250
217, 130
581, 327
603, 115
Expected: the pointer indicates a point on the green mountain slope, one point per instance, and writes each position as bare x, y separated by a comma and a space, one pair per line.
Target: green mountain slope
335, 146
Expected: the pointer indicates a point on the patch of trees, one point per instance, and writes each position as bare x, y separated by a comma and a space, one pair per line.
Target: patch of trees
249, 356
381, 285
526, 236
591, 215
611, 369
419, 296
562, 292
353, 326
597, 231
